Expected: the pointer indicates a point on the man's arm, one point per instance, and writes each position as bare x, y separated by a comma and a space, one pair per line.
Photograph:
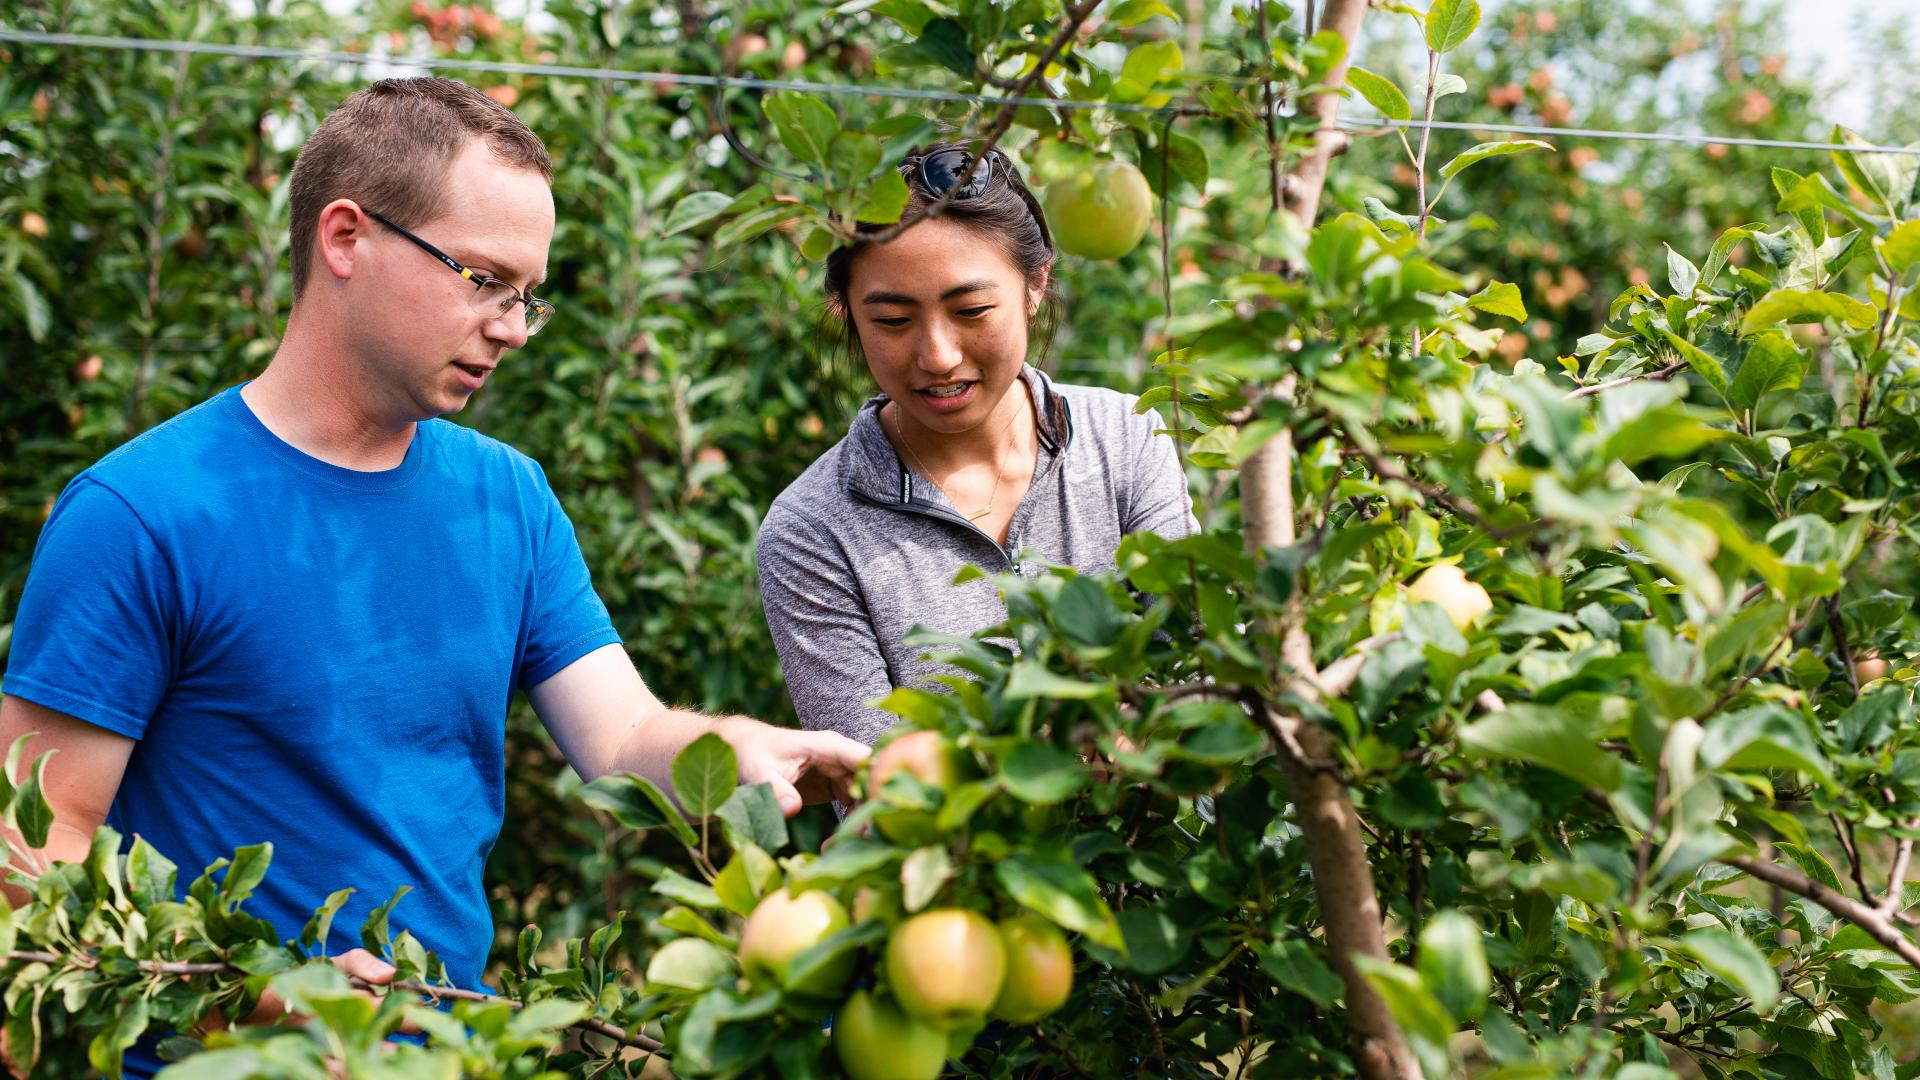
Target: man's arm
80, 780
605, 719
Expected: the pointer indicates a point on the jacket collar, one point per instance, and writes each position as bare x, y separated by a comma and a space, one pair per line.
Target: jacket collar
875, 472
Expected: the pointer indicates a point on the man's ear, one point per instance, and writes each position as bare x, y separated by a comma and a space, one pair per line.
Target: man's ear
342, 227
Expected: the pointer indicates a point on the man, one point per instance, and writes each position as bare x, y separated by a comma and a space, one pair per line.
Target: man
297, 612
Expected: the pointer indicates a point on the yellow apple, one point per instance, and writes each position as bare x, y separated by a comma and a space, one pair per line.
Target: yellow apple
782, 927
1039, 970
1447, 585
876, 1041
946, 967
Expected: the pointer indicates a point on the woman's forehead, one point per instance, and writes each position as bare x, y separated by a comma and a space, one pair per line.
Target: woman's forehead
929, 259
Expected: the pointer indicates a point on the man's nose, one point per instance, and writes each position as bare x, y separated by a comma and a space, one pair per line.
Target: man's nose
509, 329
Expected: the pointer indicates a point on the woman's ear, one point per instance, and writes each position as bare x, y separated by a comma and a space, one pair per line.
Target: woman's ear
1037, 290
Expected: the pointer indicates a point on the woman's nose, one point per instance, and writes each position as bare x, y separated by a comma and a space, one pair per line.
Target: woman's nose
940, 348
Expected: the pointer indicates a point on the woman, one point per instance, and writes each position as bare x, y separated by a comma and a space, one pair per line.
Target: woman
967, 456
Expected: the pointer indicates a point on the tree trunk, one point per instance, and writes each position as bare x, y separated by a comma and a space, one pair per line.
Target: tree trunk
1343, 880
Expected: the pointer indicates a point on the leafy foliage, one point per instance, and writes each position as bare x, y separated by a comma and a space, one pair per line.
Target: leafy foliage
1652, 813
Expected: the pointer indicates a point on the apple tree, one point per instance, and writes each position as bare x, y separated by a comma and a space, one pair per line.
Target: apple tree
1507, 717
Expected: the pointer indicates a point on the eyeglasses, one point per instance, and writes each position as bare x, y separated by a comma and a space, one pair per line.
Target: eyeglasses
491, 296
942, 169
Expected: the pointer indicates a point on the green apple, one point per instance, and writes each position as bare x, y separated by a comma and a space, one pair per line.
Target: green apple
1039, 970
782, 927
928, 756
1101, 213
1447, 585
946, 966
876, 1041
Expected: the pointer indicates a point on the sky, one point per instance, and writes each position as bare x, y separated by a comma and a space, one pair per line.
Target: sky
1823, 44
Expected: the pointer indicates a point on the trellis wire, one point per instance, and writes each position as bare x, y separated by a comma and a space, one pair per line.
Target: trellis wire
1354, 124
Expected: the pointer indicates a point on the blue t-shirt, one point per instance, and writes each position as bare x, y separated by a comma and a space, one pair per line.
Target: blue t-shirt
310, 655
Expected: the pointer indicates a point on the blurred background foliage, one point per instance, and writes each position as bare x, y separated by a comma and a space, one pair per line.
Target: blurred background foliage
143, 268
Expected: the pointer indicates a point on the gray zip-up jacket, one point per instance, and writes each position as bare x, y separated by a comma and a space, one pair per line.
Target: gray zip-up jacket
859, 550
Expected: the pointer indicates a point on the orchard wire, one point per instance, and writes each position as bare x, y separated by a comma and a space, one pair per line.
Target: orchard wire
1371, 125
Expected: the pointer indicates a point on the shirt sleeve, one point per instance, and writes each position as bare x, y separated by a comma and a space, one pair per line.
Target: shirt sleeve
1159, 502
97, 632
566, 619
821, 630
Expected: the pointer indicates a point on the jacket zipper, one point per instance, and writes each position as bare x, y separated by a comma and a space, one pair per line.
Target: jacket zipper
925, 509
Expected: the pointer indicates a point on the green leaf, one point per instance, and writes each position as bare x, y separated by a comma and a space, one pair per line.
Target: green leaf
1450, 23
314, 934
1806, 305
1419, 1013
883, 200
1773, 363
1763, 737
923, 875
1148, 64
129, 1022
151, 876
754, 222
1134, 12
690, 963
1059, 890
1901, 247
745, 879
1500, 298
1296, 967
944, 42
545, 1016
34, 306
705, 774
1043, 774
636, 803
374, 932
851, 158
1682, 275
1703, 363
678, 887
1030, 680
1086, 613
695, 210
1453, 964
685, 920
1736, 960
1557, 739
1381, 93
248, 869
32, 816
1485, 150
804, 123
751, 815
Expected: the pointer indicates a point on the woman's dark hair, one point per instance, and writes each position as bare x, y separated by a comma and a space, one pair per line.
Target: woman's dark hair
1005, 212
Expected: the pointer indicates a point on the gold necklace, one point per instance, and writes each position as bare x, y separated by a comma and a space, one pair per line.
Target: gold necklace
1000, 466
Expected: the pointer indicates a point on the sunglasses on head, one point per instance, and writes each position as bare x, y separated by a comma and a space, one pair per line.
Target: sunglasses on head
941, 170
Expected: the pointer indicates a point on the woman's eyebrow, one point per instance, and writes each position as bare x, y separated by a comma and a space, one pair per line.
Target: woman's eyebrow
964, 287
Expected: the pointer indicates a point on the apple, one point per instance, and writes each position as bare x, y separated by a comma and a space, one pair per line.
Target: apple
876, 1041
1447, 585
1870, 667
33, 224
1101, 213
88, 369
946, 966
1039, 970
782, 927
928, 756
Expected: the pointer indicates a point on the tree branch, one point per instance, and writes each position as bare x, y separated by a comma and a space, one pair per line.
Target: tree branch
1877, 926
1661, 375
424, 990
1001, 122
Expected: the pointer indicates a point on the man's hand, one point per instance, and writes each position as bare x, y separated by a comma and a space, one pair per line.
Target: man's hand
803, 766
355, 964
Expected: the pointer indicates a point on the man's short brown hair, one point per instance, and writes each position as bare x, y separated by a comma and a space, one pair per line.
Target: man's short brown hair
389, 147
